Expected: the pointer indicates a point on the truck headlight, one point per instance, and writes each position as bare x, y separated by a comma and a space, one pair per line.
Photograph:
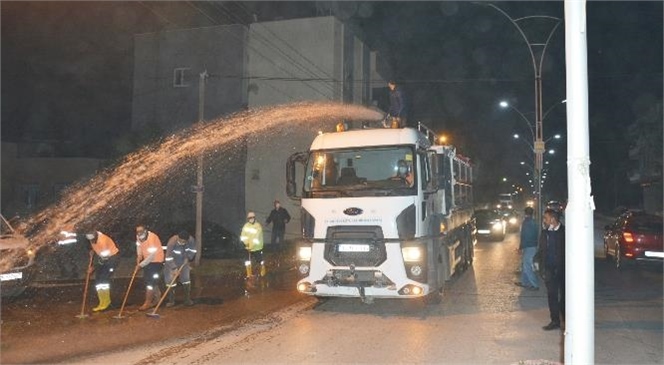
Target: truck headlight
304, 253
497, 226
411, 254
513, 221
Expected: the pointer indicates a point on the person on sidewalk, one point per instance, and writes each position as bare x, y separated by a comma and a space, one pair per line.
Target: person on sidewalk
552, 253
150, 257
180, 251
252, 237
528, 249
278, 217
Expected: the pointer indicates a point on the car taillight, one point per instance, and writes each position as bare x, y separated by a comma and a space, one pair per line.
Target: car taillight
627, 236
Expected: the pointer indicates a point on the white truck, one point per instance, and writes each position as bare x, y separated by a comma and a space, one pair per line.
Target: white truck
384, 212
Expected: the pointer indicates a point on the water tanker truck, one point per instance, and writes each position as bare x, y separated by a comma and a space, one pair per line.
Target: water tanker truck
385, 213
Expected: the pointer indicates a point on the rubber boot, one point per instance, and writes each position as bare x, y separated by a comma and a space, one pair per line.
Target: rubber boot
156, 296
187, 295
247, 265
171, 298
148, 300
104, 296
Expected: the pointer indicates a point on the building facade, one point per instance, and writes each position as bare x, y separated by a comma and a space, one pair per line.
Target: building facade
299, 60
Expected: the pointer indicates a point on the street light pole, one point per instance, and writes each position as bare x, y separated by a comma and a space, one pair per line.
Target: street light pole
538, 142
199, 172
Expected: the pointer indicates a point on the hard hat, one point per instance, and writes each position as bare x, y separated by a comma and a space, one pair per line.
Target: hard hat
91, 236
251, 215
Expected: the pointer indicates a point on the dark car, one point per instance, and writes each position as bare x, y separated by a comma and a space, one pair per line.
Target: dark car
18, 265
218, 242
490, 224
511, 218
634, 236
555, 205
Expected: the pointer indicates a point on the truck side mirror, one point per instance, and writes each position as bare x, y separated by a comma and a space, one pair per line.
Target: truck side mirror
291, 173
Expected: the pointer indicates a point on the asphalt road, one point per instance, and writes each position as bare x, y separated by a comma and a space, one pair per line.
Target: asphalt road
483, 318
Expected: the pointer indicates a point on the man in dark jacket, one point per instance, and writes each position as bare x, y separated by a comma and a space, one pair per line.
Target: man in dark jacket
278, 217
528, 249
397, 104
552, 255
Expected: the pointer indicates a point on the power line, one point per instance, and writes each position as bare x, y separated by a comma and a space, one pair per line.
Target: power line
261, 54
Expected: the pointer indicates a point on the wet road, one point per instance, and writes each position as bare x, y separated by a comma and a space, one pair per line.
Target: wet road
483, 318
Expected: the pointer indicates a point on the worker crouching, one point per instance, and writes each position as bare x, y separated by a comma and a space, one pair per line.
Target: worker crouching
180, 251
150, 257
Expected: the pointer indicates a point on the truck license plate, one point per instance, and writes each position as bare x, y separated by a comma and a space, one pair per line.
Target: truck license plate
11, 276
354, 248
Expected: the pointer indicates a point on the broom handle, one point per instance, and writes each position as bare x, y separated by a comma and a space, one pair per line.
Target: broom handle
124, 301
175, 277
87, 282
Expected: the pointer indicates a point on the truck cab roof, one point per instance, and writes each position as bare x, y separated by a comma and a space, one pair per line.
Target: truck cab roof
370, 137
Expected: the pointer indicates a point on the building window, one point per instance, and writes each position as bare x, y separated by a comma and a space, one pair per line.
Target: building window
181, 77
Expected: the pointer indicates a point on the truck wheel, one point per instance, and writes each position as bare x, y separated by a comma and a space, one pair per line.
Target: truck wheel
434, 298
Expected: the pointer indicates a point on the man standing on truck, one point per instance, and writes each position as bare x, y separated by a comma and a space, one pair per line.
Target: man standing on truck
397, 104
278, 217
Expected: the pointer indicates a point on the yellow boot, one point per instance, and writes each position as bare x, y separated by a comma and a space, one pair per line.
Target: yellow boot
104, 296
247, 265
263, 269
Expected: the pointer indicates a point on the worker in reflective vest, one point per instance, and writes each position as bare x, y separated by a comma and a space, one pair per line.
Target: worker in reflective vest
150, 257
252, 237
180, 250
106, 260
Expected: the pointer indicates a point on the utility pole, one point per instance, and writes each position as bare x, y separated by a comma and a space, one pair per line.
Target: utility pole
199, 172
579, 250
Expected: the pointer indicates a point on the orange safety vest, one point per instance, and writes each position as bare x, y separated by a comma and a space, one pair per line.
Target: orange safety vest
151, 244
105, 247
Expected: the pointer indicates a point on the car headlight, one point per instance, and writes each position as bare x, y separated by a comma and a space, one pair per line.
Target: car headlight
497, 225
412, 254
304, 253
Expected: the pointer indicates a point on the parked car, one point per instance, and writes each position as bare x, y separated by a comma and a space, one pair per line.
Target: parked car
18, 266
634, 236
555, 205
490, 224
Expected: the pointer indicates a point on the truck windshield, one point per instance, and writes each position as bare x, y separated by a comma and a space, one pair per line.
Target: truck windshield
375, 171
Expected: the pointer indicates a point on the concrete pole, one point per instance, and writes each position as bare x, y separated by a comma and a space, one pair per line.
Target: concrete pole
579, 256
199, 173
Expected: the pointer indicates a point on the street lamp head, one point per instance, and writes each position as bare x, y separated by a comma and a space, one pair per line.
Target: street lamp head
515, 135
522, 162
504, 104
557, 136
551, 152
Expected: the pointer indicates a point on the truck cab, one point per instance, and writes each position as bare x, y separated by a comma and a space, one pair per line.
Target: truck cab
377, 215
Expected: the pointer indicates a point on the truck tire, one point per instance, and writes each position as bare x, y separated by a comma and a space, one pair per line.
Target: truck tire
433, 298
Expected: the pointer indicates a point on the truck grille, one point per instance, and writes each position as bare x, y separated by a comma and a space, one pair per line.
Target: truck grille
359, 246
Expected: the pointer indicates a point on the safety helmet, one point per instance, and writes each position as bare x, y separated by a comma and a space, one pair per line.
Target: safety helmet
91, 236
251, 215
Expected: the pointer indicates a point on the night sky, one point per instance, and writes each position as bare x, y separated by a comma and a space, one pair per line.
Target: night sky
67, 73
